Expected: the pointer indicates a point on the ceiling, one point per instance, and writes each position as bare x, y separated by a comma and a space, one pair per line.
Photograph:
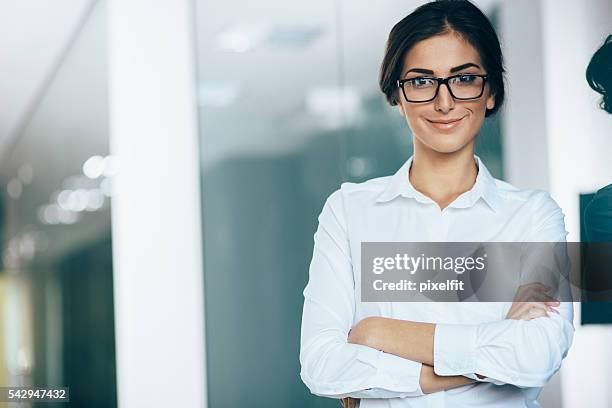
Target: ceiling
34, 35
62, 121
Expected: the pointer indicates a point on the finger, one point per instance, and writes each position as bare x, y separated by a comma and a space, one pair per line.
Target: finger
522, 309
531, 311
541, 306
535, 296
541, 287
539, 296
532, 285
519, 311
528, 295
535, 286
543, 298
538, 305
536, 312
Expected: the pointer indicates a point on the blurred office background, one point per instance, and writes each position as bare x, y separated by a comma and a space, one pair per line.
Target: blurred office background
217, 130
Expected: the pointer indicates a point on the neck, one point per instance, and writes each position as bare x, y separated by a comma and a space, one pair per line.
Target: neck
443, 176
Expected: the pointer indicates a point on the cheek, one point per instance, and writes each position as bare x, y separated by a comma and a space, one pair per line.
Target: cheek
476, 123
478, 107
413, 114
477, 113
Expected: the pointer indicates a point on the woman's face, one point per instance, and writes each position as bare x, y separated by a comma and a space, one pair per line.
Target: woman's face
445, 125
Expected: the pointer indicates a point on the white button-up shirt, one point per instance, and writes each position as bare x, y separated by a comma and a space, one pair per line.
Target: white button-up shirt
516, 357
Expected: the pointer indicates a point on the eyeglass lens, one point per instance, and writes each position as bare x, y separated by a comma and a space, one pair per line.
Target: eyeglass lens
461, 87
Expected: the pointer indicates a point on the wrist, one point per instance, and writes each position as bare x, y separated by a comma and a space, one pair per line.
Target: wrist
430, 382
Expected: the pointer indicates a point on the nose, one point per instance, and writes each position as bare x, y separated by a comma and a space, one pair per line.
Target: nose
444, 101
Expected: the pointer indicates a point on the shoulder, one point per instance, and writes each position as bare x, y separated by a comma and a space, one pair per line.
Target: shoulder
353, 199
601, 201
367, 190
536, 200
536, 207
598, 215
604, 195
538, 211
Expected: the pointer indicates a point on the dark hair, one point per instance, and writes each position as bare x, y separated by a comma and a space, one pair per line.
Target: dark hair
441, 17
598, 216
599, 73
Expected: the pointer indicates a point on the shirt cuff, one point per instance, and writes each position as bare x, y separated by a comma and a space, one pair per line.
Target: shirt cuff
455, 349
399, 374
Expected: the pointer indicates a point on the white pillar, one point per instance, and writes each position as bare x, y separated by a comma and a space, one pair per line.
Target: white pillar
525, 144
158, 277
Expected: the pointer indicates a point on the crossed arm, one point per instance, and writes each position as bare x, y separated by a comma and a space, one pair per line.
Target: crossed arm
410, 340
415, 340
388, 358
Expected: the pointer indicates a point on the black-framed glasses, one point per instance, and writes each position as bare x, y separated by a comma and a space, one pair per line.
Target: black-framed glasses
425, 89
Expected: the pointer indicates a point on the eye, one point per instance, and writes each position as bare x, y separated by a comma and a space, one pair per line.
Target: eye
420, 82
466, 79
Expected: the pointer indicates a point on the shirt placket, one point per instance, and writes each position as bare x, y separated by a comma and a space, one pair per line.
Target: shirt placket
438, 399
444, 218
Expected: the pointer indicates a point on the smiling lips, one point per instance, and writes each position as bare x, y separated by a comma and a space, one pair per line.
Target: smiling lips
446, 124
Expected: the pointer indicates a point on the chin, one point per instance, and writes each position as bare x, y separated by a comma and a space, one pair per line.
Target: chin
445, 143
446, 149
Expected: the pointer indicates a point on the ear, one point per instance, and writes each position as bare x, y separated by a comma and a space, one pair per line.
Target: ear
490, 102
398, 102
400, 108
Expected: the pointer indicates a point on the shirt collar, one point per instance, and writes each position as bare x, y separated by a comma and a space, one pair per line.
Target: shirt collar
485, 188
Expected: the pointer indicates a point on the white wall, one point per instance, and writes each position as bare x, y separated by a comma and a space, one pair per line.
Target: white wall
580, 142
557, 139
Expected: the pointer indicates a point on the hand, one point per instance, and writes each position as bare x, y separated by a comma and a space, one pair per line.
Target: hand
532, 301
349, 402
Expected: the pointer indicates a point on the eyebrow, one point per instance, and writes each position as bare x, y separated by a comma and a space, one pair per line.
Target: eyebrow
464, 66
452, 70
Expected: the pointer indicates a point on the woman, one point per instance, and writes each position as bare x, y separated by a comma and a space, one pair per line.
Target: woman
598, 213
443, 70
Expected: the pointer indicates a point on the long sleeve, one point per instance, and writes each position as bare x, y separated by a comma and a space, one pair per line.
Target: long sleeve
522, 353
330, 366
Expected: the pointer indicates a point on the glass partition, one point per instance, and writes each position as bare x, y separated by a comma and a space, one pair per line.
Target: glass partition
56, 288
